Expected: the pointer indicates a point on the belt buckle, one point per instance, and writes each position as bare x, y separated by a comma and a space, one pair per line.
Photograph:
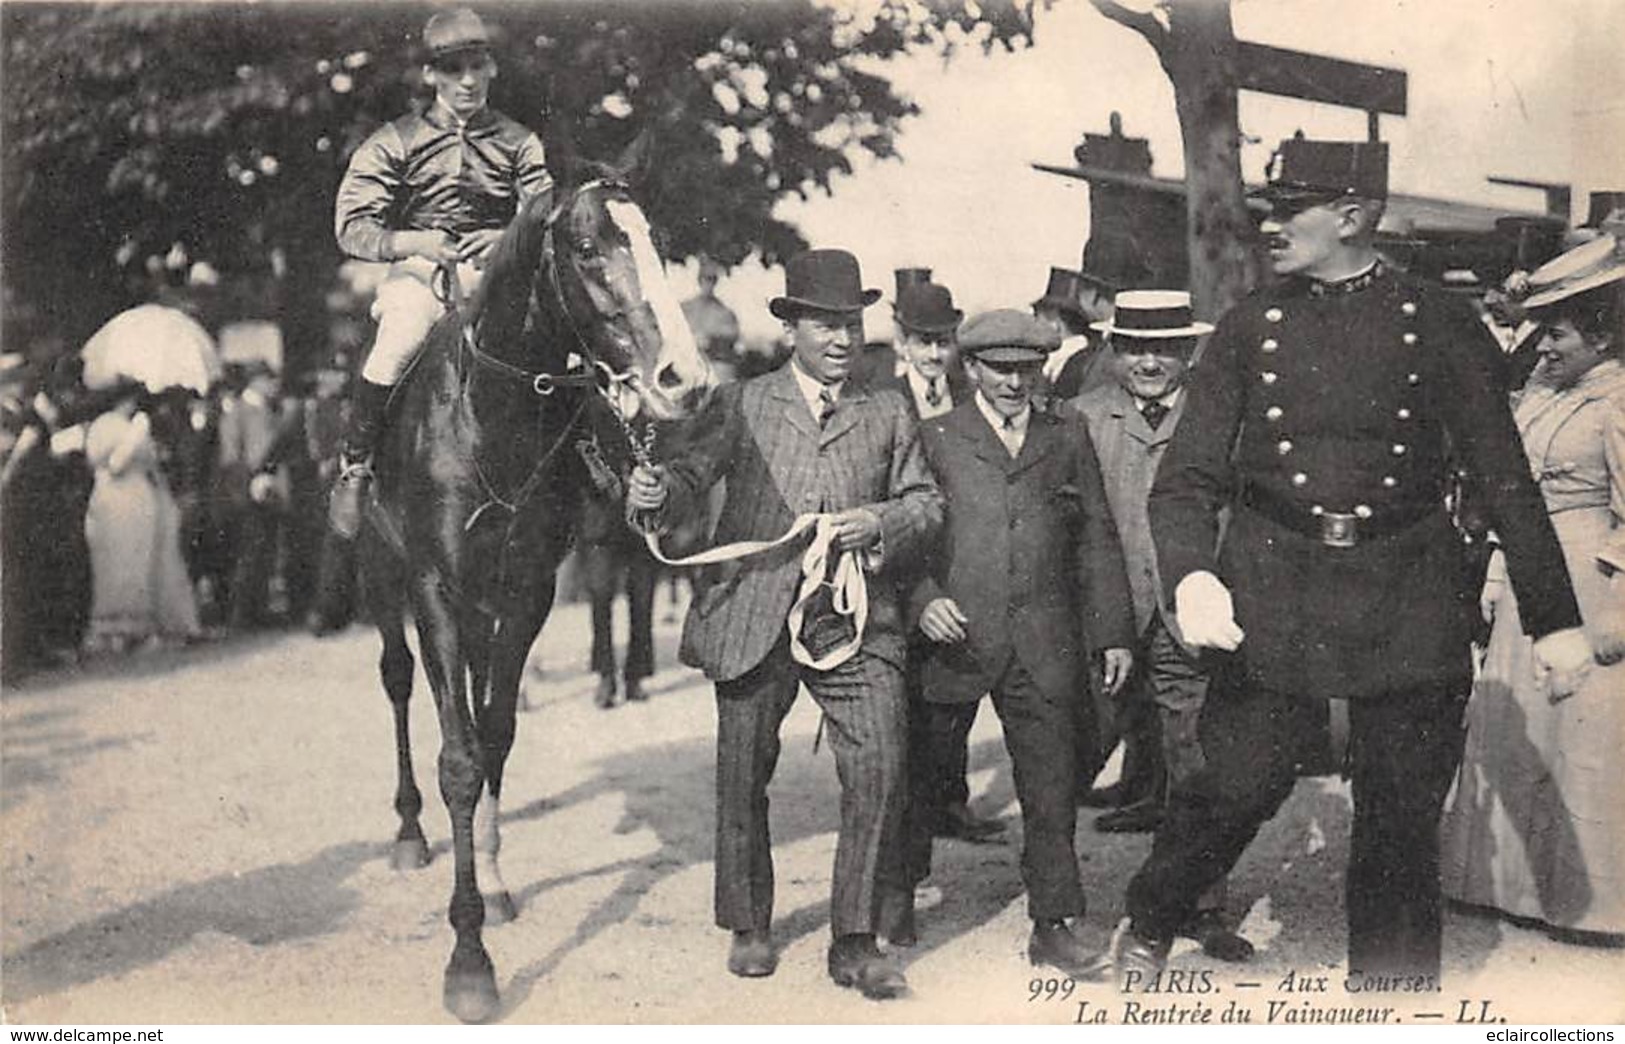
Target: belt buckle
1338, 529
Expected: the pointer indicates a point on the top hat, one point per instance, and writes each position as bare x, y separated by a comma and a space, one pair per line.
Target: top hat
1302, 169
1586, 267
1066, 289
907, 277
927, 308
455, 31
1601, 205
822, 281
1007, 335
1151, 314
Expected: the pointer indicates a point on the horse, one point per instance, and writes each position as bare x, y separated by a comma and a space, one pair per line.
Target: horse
479, 481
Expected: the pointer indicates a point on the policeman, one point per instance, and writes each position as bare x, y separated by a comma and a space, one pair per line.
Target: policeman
1322, 413
424, 192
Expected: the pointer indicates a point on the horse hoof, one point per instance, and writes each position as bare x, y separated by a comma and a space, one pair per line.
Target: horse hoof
500, 908
410, 853
471, 994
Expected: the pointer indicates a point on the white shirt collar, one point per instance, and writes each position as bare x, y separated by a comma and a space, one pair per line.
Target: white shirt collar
1167, 400
811, 389
1018, 425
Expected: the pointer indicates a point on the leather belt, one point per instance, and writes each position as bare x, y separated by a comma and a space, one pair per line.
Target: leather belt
1335, 528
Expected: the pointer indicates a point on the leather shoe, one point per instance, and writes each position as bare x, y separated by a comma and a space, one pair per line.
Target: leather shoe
1056, 945
752, 956
957, 821
856, 962
634, 691
1136, 952
1218, 939
1115, 795
1142, 817
897, 918
605, 697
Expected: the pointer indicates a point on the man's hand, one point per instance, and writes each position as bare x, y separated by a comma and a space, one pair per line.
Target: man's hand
1204, 613
944, 622
647, 489
1118, 663
1495, 583
474, 246
439, 247
855, 529
1566, 656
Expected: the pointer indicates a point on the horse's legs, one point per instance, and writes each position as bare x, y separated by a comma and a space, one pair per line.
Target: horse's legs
508, 651
385, 590
470, 990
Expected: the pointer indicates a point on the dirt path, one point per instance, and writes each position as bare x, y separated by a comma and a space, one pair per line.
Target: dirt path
199, 837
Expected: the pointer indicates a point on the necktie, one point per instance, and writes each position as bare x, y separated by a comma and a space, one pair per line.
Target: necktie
826, 406
1010, 435
1154, 412
933, 394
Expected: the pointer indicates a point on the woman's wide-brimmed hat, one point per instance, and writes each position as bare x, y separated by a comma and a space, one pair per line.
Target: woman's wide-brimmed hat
822, 281
1152, 314
1586, 267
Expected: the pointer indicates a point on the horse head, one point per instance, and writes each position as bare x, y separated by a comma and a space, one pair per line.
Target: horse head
607, 274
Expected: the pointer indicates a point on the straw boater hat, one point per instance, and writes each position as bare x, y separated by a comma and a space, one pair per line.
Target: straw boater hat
1586, 267
1152, 314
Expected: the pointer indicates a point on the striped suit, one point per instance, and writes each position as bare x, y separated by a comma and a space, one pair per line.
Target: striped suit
763, 439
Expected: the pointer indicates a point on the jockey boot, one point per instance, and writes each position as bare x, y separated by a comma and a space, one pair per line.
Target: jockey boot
348, 501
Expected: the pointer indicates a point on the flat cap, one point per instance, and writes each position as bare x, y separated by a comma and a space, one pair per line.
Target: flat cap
1008, 335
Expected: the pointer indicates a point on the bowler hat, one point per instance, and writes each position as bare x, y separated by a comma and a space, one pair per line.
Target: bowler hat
907, 277
1302, 169
1152, 313
1066, 289
822, 281
927, 308
1007, 335
452, 32
1586, 267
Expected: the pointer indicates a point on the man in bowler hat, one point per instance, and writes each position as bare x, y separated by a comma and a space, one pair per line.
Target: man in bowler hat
1072, 301
933, 382
1321, 415
804, 439
1026, 578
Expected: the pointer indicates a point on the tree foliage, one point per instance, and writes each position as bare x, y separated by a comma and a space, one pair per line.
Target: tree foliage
225, 127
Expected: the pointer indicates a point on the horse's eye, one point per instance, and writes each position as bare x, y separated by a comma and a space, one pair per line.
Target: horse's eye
586, 248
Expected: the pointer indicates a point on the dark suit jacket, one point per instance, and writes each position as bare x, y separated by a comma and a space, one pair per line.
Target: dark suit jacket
1344, 401
762, 438
1029, 552
959, 389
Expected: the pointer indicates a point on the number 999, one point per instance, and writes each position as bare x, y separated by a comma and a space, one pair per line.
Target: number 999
1050, 989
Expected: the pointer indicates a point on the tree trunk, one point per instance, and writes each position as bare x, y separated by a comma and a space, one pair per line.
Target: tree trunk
1199, 56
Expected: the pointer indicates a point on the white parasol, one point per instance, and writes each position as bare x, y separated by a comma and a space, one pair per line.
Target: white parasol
159, 346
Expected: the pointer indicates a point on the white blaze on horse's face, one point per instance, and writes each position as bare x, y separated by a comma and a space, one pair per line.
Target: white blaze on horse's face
673, 376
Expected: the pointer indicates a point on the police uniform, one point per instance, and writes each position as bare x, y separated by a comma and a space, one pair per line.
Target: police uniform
1326, 415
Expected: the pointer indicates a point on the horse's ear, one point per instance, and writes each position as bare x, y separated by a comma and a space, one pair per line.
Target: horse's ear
563, 155
633, 163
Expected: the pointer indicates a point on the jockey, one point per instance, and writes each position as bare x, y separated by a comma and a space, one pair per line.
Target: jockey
422, 192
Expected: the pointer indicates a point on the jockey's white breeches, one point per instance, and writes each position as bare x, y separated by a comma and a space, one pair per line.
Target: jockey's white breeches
405, 307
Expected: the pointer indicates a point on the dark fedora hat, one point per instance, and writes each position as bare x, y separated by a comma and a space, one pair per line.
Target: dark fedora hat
822, 281
1303, 170
927, 308
454, 32
1066, 289
907, 277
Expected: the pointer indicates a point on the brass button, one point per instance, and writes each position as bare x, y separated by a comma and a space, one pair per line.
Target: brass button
1404, 413
1273, 315
1399, 449
1317, 511
1408, 337
1413, 378
1270, 344
1270, 376
1300, 479
1362, 511
1389, 482
1284, 447
1273, 413
1409, 308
